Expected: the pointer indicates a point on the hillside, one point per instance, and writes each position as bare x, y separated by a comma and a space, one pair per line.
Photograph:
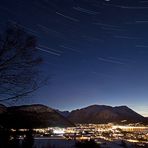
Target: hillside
32, 116
104, 114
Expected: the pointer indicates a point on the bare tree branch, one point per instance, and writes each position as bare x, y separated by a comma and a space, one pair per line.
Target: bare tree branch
18, 64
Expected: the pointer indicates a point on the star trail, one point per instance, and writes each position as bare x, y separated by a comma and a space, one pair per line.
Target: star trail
96, 51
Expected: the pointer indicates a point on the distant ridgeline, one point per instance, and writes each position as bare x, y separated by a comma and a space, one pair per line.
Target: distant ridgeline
40, 116
104, 114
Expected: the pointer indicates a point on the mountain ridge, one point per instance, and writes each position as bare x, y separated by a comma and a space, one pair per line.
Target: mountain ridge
32, 116
38, 116
104, 114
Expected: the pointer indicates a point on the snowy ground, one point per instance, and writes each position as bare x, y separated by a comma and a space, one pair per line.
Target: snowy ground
59, 142
54, 142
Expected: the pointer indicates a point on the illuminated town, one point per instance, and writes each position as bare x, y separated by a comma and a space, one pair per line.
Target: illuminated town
103, 134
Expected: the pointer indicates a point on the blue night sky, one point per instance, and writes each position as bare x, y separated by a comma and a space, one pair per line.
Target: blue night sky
95, 51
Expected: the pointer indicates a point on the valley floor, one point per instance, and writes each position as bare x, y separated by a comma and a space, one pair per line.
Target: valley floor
61, 142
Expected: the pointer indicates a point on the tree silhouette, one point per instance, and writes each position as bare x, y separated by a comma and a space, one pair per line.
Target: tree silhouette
28, 141
4, 138
18, 64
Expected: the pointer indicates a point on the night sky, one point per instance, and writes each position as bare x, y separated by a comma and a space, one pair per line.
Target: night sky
95, 51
